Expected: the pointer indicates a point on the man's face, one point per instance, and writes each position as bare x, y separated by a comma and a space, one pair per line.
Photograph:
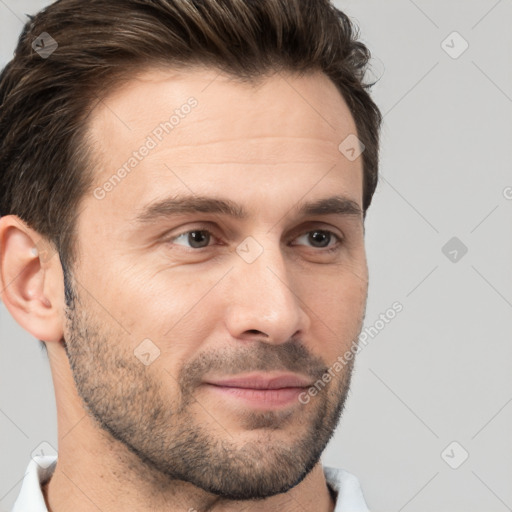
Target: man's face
168, 302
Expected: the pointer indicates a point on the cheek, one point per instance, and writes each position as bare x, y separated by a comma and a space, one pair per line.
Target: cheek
336, 309
174, 311
342, 286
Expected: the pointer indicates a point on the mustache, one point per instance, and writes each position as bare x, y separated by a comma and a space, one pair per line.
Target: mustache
256, 356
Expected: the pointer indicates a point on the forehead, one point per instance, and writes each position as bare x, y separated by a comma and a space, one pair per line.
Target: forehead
208, 127
155, 91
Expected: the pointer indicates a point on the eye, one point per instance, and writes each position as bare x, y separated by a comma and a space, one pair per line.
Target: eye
320, 239
200, 238
196, 238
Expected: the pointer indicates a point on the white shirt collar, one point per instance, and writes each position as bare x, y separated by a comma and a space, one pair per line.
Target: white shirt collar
349, 494
31, 498
40, 469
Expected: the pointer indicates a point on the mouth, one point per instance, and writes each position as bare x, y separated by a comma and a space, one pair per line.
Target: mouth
264, 381
261, 390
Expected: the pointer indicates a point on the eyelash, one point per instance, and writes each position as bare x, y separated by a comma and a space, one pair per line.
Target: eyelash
334, 248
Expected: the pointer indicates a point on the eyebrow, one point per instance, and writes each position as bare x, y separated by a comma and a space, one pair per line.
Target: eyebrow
182, 205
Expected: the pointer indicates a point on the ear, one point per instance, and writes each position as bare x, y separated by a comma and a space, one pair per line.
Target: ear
31, 280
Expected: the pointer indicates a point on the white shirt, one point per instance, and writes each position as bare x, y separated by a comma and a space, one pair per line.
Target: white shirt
40, 469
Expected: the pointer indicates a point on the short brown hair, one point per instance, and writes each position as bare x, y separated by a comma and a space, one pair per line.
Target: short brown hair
44, 102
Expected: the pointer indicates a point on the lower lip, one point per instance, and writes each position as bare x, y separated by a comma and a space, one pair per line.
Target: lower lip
262, 398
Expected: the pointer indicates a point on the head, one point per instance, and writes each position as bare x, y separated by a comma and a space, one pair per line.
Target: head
182, 169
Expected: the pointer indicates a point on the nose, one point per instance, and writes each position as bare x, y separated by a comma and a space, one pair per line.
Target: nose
263, 300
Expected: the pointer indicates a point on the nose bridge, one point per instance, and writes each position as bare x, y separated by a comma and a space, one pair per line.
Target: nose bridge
264, 298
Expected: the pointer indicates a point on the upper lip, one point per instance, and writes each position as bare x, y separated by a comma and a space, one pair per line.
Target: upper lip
264, 381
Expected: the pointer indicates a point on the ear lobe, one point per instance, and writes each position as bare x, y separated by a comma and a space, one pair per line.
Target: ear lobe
25, 279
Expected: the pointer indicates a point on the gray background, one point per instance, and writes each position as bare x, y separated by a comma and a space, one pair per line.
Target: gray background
440, 371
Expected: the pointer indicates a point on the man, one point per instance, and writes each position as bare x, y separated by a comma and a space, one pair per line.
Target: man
183, 192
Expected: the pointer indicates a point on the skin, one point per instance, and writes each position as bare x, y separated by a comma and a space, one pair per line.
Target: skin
156, 437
